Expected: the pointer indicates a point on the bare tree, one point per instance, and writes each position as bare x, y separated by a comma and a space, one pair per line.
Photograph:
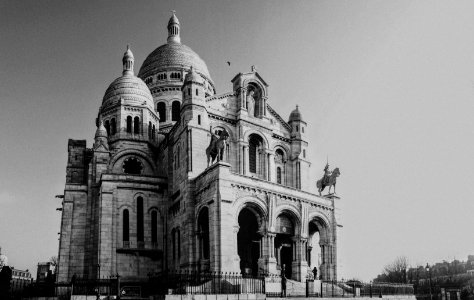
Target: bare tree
53, 260
395, 271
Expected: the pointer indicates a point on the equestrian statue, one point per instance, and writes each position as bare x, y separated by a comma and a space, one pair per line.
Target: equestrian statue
329, 179
217, 147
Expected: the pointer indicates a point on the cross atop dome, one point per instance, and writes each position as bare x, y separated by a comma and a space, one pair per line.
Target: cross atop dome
173, 29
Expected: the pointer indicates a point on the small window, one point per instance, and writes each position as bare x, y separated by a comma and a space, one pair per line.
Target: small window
302, 129
136, 125
197, 93
113, 126
199, 119
304, 153
297, 128
132, 165
175, 107
161, 109
189, 91
129, 124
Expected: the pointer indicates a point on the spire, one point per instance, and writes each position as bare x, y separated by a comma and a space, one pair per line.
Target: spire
173, 29
128, 61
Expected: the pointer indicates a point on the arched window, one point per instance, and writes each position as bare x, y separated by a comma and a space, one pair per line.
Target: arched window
107, 127
203, 227
161, 109
255, 145
129, 124
136, 125
149, 130
153, 132
140, 222
113, 126
154, 228
175, 107
280, 165
125, 229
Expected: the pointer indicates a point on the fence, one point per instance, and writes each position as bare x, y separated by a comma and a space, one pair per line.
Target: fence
206, 283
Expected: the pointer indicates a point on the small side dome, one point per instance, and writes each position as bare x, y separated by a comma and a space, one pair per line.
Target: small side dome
192, 76
295, 115
101, 131
128, 89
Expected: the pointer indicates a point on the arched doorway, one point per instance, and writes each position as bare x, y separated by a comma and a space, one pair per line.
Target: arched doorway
317, 230
284, 244
248, 241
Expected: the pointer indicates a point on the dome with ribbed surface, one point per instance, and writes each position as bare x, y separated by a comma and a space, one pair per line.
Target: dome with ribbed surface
295, 115
173, 55
131, 89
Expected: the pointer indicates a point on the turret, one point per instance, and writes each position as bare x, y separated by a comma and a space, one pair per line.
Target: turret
173, 29
299, 147
193, 106
100, 138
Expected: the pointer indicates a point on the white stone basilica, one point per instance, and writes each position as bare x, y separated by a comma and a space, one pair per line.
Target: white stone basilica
143, 199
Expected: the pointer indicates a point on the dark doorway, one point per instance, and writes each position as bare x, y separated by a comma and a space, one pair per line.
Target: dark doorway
248, 242
284, 245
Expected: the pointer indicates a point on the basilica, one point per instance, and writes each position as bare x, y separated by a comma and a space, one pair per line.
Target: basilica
180, 177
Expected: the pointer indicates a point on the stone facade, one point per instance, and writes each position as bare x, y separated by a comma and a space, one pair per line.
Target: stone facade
145, 198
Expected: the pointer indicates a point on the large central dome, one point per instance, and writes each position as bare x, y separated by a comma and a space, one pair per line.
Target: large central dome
173, 56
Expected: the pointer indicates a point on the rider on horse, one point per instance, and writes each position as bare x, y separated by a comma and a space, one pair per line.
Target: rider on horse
327, 174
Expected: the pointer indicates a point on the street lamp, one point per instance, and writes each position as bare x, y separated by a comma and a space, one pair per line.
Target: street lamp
429, 274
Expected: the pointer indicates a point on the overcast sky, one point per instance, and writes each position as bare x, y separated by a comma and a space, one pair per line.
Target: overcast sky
387, 88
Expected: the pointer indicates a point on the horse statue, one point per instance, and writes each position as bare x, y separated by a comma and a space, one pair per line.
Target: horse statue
328, 180
217, 147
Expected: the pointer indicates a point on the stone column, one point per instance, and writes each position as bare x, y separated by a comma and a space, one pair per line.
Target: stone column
271, 167
246, 160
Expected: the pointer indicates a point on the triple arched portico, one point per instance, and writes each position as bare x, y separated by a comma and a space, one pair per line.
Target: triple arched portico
267, 238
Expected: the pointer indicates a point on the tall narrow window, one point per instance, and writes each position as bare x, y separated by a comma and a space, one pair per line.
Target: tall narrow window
203, 227
175, 107
149, 130
179, 243
136, 125
125, 229
161, 108
153, 132
140, 219
129, 124
113, 126
279, 175
154, 228
199, 119
197, 93
173, 237
255, 143
107, 127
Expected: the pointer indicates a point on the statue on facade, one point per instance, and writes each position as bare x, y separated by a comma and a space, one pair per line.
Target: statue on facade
329, 179
217, 147
250, 104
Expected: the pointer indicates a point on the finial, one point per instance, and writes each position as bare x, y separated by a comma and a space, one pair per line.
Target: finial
173, 29
296, 106
128, 61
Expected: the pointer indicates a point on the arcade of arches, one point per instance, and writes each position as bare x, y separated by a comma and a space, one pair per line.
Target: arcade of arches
261, 251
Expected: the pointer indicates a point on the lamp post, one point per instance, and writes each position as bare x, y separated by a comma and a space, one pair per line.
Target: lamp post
429, 274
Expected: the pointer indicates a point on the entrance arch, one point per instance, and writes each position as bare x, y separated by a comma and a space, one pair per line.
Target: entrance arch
249, 241
318, 238
284, 242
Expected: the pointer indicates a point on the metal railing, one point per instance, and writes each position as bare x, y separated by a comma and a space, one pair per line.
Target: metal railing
206, 283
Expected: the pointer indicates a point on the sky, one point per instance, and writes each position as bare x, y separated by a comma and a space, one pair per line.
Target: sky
386, 87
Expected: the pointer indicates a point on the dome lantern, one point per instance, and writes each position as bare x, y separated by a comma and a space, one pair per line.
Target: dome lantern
173, 29
128, 61
295, 115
